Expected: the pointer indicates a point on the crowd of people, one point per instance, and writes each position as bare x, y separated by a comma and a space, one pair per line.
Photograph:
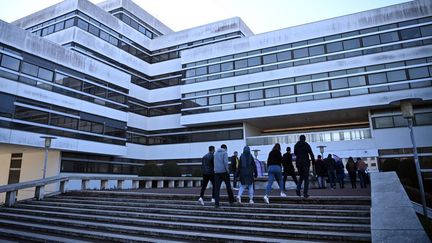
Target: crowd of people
215, 169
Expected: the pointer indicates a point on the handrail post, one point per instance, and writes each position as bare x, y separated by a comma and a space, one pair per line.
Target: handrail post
120, 184
63, 185
104, 185
135, 184
84, 184
40, 192
10, 198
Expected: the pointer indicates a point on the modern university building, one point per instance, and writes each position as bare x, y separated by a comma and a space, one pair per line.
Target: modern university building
119, 89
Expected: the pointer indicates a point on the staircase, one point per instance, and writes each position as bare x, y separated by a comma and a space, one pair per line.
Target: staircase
84, 216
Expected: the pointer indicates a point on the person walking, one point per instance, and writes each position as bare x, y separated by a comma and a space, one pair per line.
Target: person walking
221, 173
246, 171
340, 173
288, 167
207, 168
331, 170
274, 163
304, 155
234, 164
321, 171
351, 167
361, 168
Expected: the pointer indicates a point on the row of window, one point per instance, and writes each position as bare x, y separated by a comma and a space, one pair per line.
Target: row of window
146, 109
30, 73
207, 136
134, 24
420, 119
289, 56
135, 18
255, 96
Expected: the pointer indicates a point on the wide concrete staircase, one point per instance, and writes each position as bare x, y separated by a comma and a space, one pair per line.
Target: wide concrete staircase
135, 216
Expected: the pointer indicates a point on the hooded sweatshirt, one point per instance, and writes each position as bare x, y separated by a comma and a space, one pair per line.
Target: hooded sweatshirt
221, 161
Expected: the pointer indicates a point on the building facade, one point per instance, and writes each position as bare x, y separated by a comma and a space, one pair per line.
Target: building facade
120, 90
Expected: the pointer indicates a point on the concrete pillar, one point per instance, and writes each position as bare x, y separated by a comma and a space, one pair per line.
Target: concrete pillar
171, 183
63, 186
181, 183
135, 184
160, 184
148, 184
120, 184
39, 192
104, 185
85, 184
10, 198
189, 183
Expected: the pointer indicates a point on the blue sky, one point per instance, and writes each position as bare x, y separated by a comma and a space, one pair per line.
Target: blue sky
259, 15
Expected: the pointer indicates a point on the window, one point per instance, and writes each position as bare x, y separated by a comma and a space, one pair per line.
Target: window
69, 23
283, 56
201, 71
104, 35
356, 81
31, 115
399, 121
82, 24
423, 119
304, 88
201, 101
68, 81
378, 78
215, 100
396, 75
240, 64
301, 53
320, 86
29, 69
351, 44
10, 62
94, 30
273, 92
227, 66
214, 68
420, 72
410, 33
426, 30
287, 90
316, 50
59, 26
254, 61
243, 96
63, 121
256, 94
334, 47
371, 40
383, 122
50, 29
45, 74
228, 98
389, 37
269, 59
339, 83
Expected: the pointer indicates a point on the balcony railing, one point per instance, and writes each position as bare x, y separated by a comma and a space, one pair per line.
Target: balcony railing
327, 136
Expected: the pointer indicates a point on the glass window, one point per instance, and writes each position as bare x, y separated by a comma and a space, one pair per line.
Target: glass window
339, 83
214, 68
190, 73
410, 33
423, 119
82, 24
351, 44
334, 47
377, 78
320, 86
29, 69
141, 29
396, 75
59, 26
304, 88
94, 30
254, 61
256, 94
242, 96
94, 90
399, 121
201, 101
30, 115
316, 50
356, 81
228, 98
68, 81
389, 37
201, 71
273, 92
240, 64
69, 23
50, 29
45, 74
371, 40
283, 56
420, 72
426, 30
214, 100
104, 35
63, 121
299, 53
287, 90
269, 59
113, 40
10, 62
227, 66
383, 122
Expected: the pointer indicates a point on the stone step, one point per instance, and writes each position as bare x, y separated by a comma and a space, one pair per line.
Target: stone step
236, 208
107, 217
26, 236
91, 235
173, 229
142, 212
323, 200
207, 202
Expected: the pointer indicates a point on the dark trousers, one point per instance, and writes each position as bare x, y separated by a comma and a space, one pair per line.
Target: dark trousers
332, 178
206, 179
341, 178
287, 173
219, 177
353, 178
362, 177
235, 179
304, 176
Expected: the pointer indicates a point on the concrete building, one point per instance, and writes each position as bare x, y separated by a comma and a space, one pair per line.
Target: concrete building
119, 89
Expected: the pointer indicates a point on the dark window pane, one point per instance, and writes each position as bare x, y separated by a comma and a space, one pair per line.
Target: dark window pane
214, 68
410, 33
45, 74
104, 35
378, 78
399, 121
243, 96
228, 98
334, 47
339, 83
389, 37
396, 75
29, 69
269, 59
69, 23
254, 61
94, 30
371, 40
426, 30
351, 44
304, 88
287, 90
201, 101
68, 81
240, 64
201, 71
50, 29
82, 24
423, 119
301, 53
256, 94
420, 72
227, 66
316, 50
59, 26
10, 62
215, 100
283, 56
63, 121
26, 114
273, 92
320, 86
383, 122
356, 81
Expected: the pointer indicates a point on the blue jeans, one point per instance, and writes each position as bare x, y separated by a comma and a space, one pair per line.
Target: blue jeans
332, 178
250, 189
321, 181
362, 177
274, 172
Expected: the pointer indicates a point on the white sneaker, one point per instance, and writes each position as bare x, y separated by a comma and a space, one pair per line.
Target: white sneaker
266, 199
212, 200
238, 199
282, 194
200, 200
251, 201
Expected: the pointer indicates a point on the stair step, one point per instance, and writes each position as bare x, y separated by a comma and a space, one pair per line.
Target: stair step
21, 235
193, 219
220, 212
236, 208
173, 229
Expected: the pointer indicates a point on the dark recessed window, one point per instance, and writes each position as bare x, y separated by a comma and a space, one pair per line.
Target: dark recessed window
356, 81
426, 30
240, 64
83, 25
256, 94
410, 33
320, 86
420, 72
351, 44
254, 61
69, 23
371, 40
94, 30
283, 56
215, 100
287, 90
59, 26
339, 83
304, 88
377, 78
228, 98
423, 119
383, 122
273, 92
214, 68
243, 96
316, 50
10, 62
201, 71
29, 69
301, 53
269, 59
389, 37
334, 47
396, 75
45, 74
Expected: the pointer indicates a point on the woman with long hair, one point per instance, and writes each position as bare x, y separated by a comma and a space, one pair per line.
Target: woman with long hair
274, 163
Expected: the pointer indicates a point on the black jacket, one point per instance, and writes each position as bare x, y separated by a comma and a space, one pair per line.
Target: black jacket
302, 151
207, 165
247, 169
320, 168
274, 158
233, 163
287, 163
331, 164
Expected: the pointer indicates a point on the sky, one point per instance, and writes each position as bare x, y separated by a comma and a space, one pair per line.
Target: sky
260, 15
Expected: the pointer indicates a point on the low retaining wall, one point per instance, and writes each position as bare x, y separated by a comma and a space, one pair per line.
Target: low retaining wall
393, 218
